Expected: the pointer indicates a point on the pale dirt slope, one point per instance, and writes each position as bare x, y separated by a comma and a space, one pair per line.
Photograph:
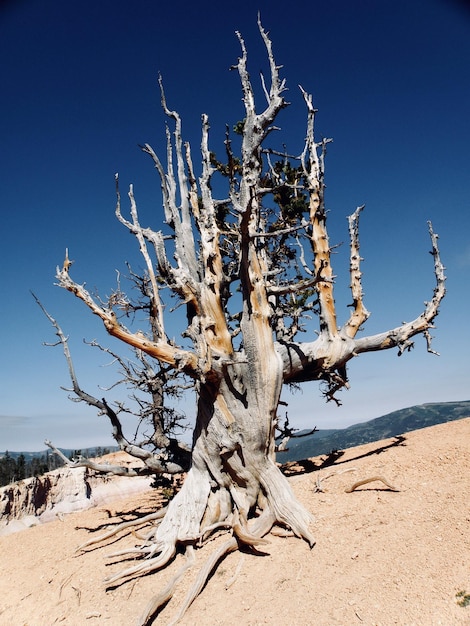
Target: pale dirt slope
381, 557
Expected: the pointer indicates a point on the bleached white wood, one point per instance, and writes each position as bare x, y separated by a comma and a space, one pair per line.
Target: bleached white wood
233, 472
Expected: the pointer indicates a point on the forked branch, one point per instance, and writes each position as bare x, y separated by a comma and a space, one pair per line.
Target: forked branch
156, 308
161, 349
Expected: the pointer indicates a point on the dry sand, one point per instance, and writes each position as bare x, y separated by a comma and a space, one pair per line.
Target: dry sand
381, 558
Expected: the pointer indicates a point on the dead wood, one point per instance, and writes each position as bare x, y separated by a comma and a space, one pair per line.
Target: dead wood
365, 481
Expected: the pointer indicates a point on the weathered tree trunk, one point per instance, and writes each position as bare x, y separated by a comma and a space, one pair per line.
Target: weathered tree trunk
233, 481
234, 468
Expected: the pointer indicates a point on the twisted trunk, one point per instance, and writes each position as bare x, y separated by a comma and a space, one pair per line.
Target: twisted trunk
233, 475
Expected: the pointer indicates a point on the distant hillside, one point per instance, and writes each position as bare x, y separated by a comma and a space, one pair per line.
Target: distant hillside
391, 425
327, 440
86, 452
16, 466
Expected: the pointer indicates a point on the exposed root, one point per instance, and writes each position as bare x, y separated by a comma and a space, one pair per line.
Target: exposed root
114, 531
370, 480
231, 580
229, 546
166, 594
261, 526
142, 550
184, 523
145, 567
159, 546
285, 507
208, 530
318, 486
253, 536
244, 535
282, 532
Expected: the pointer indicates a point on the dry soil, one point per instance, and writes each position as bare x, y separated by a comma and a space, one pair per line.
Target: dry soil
382, 557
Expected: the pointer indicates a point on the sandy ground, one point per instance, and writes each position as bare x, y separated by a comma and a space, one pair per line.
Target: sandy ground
381, 558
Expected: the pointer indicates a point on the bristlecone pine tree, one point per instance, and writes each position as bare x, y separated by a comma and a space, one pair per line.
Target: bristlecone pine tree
251, 269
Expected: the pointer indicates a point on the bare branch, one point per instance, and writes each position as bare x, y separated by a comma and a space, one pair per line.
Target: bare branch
160, 350
359, 314
103, 468
214, 322
275, 100
156, 304
400, 336
303, 285
313, 168
153, 463
185, 246
286, 433
281, 231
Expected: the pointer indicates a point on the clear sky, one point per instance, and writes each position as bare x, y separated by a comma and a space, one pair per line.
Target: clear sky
79, 93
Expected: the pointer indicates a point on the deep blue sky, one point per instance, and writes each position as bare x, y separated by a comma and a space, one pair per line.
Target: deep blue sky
79, 93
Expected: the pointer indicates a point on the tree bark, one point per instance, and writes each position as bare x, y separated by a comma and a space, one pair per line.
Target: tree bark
233, 474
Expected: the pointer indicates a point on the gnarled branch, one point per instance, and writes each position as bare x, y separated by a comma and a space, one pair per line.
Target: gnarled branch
153, 464
161, 350
401, 336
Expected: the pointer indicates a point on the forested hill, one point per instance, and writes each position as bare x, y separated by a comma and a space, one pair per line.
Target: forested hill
16, 466
321, 442
391, 425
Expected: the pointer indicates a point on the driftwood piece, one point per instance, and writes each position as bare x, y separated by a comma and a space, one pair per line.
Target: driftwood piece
365, 481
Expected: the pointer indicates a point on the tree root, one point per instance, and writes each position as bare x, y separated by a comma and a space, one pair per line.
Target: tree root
229, 546
167, 552
158, 553
260, 527
185, 522
241, 535
285, 507
114, 531
244, 535
231, 580
166, 594
318, 486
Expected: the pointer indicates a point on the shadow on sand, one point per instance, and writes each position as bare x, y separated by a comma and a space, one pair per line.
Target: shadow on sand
306, 466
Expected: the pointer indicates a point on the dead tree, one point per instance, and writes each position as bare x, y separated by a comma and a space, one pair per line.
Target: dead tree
250, 268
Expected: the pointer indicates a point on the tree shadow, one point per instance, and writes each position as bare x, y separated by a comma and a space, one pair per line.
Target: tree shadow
116, 518
306, 466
